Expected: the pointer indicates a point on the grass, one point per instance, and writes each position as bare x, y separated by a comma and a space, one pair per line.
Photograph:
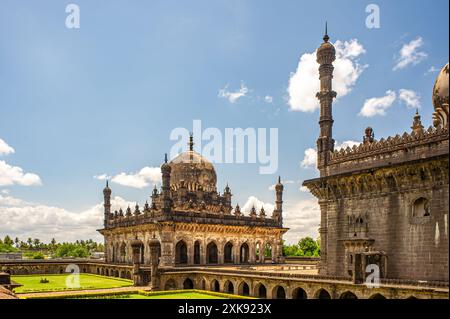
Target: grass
31, 283
139, 294
182, 295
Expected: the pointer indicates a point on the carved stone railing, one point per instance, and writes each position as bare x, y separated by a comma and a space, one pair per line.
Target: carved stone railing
391, 144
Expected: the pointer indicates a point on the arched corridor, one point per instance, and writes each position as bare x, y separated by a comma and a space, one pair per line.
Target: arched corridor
228, 253
244, 254
299, 293
188, 284
228, 287
212, 253
279, 293
181, 256
323, 294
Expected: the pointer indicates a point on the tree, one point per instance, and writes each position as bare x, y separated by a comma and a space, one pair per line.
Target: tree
308, 246
8, 241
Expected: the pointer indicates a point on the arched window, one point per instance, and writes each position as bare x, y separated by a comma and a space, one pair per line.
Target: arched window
197, 253
181, 253
228, 287
244, 289
348, 295
299, 293
215, 286
188, 284
228, 253
211, 253
279, 292
245, 253
421, 207
323, 294
261, 291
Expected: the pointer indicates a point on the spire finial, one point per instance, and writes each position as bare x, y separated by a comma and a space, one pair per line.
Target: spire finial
165, 158
107, 184
191, 141
326, 37
279, 179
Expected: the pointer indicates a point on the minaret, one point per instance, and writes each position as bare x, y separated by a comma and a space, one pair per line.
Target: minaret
106, 203
278, 212
166, 196
326, 54
417, 126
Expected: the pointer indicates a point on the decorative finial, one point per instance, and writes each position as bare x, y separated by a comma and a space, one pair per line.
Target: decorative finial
279, 179
326, 37
165, 158
191, 141
107, 184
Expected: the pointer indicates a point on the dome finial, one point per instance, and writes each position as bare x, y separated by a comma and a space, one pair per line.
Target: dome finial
165, 158
191, 141
326, 37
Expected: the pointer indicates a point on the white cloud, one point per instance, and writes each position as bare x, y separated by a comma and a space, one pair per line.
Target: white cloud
140, 179
253, 201
432, 69
310, 158
410, 54
233, 97
5, 149
22, 219
304, 82
345, 144
302, 218
272, 187
378, 105
10, 175
102, 177
410, 97
268, 99
304, 189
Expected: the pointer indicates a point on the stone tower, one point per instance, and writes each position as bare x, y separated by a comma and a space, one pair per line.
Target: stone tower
107, 202
278, 212
326, 54
166, 196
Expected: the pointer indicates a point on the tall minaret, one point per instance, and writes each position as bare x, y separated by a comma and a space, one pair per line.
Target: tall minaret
326, 54
278, 212
106, 203
166, 196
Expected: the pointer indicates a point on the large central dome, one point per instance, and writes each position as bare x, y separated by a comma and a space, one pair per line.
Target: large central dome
194, 171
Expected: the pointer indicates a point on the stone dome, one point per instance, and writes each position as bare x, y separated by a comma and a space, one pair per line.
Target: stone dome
440, 98
194, 171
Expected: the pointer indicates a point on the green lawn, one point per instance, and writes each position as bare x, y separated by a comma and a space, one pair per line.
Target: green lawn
183, 295
58, 283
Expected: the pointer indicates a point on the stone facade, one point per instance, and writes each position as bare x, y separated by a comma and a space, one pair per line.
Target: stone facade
383, 202
192, 222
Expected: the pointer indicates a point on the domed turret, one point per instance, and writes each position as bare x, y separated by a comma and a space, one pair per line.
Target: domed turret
440, 98
326, 53
193, 170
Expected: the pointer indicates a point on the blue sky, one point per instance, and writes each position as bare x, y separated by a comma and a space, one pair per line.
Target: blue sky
104, 98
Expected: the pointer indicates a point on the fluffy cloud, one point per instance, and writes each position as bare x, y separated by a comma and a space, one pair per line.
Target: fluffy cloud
253, 201
102, 177
141, 179
268, 99
5, 149
22, 219
410, 54
10, 175
302, 218
233, 97
410, 97
272, 187
378, 105
310, 157
304, 82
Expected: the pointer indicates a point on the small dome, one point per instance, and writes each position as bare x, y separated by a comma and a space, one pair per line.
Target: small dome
440, 97
192, 170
